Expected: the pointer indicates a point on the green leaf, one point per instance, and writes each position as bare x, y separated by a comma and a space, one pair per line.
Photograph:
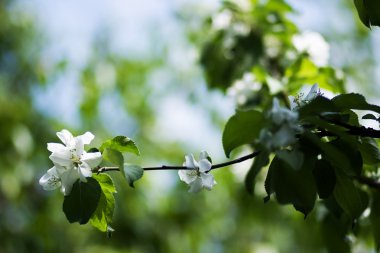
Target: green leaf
242, 128
375, 218
354, 101
82, 201
316, 107
369, 150
369, 12
325, 178
363, 15
121, 144
258, 163
294, 158
103, 214
133, 173
115, 157
370, 116
294, 187
352, 200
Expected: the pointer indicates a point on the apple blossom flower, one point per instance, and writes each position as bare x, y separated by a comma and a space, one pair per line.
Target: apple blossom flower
196, 175
283, 127
71, 162
301, 99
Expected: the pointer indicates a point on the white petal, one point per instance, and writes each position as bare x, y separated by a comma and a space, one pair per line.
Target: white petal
79, 147
190, 161
187, 176
208, 181
84, 171
196, 185
86, 138
65, 136
312, 93
92, 159
68, 179
203, 155
62, 158
56, 147
50, 180
204, 165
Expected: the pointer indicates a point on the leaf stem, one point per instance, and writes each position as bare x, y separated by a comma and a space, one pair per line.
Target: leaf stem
166, 167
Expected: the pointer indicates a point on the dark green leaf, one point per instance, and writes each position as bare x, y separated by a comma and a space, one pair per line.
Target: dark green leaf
353, 101
352, 200
294, 158
82, 201
103, 214
363, 15
317, 106
291, 186
242, 128
334, 233
133, 173
369, 12
259, 162
121, 144
369, 151
370, 116
375, 218
325, 178
92, 150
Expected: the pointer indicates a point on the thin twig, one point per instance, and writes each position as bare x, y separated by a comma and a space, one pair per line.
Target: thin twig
165, 167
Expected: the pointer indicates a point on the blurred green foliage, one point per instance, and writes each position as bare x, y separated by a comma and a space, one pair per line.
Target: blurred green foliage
159, 215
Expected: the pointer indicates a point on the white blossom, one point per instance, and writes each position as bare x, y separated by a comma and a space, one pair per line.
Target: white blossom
301, 99
196, 175
71, 162
283, 127
314, 44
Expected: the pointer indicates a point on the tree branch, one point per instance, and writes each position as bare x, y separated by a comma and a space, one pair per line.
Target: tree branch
371, 182
355, 130
165, 167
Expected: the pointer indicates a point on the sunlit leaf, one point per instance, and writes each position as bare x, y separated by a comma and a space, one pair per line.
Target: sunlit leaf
103, 214
122, 144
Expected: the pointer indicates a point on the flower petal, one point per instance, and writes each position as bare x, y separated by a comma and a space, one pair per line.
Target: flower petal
204, 165
190, 161
84, 171
196, 185
65, 136
208, 181
68, 179
203, 155
50, 180
86, 138
92, 159
187, 176
79, 147
56, 147
62, 158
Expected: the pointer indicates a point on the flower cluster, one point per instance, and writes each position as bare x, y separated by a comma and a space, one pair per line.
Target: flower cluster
283, 127
71, 162
197, 173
